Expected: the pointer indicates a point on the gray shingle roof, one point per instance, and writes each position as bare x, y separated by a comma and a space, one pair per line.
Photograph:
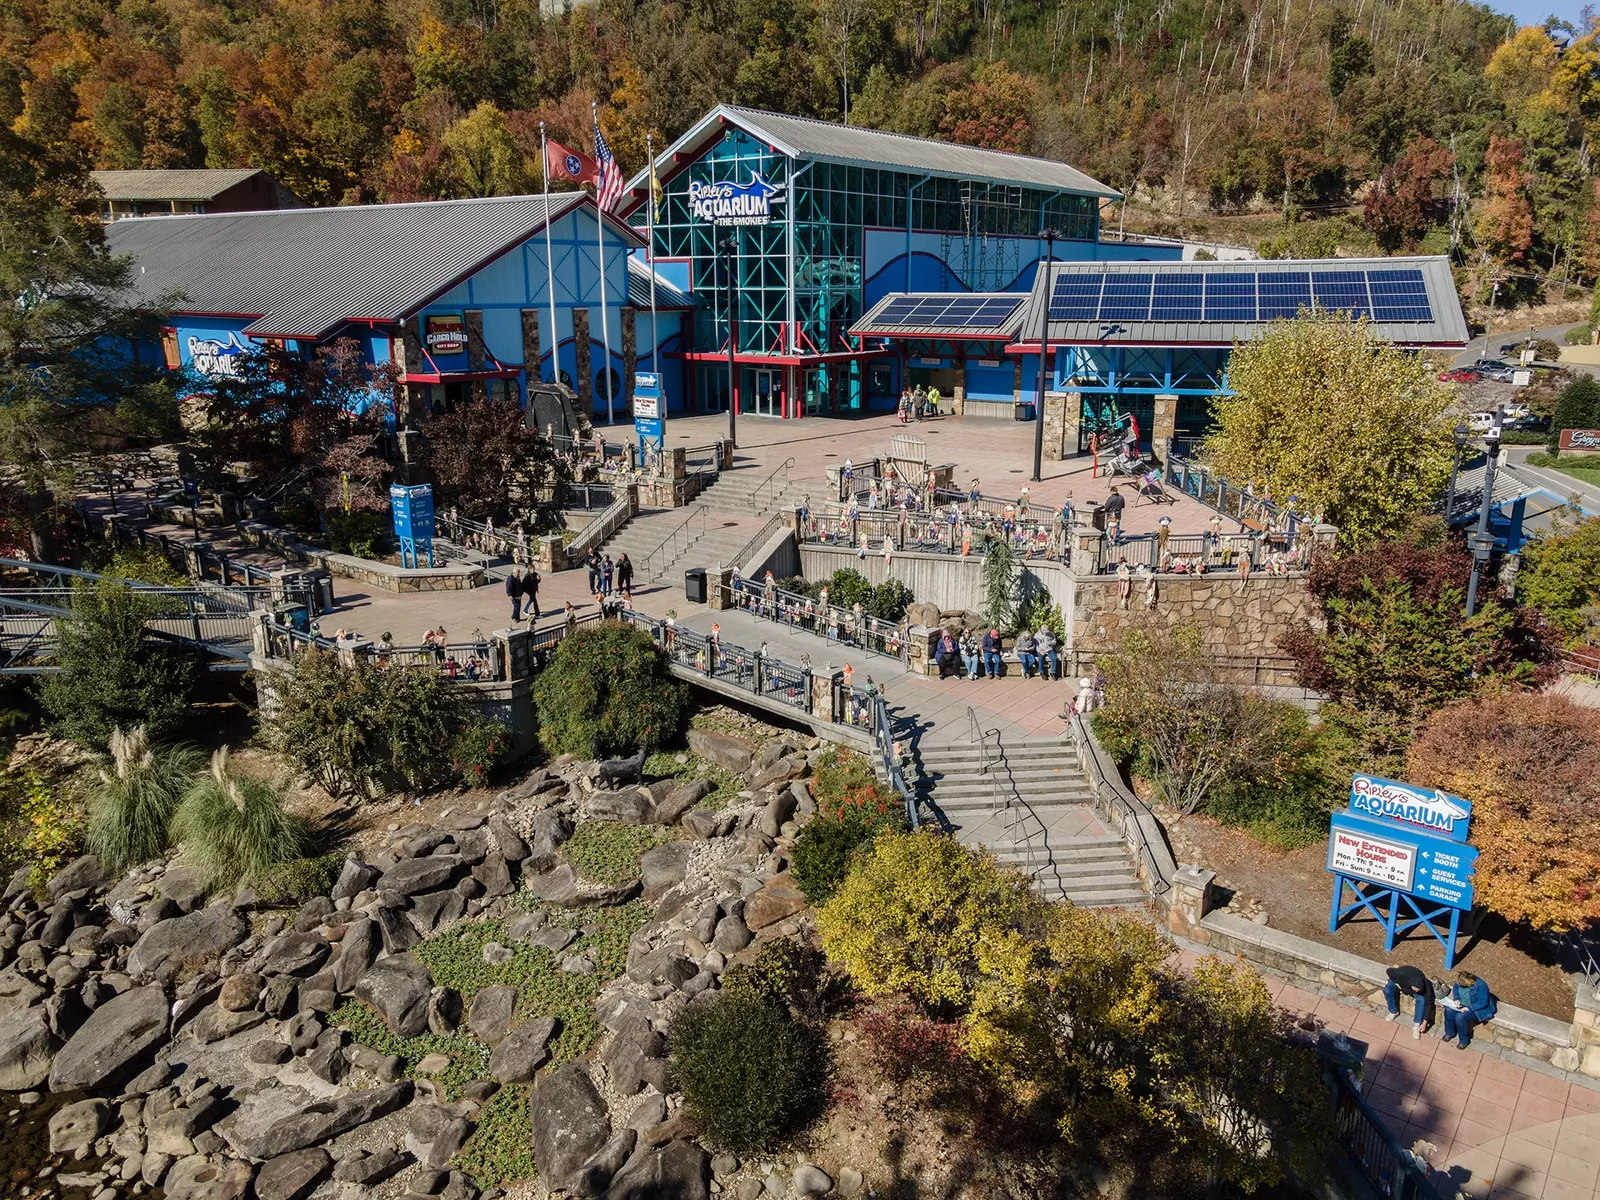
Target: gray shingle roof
667, 296
303, 272
1448, 326
806, 137
188, 185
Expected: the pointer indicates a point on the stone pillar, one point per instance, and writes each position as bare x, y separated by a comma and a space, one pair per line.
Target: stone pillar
1016, 381
1061, 411
823, 685
1189, 901
1584, 1053
630, 352
551, 554
477, 352
513, 653
1086, 547
958, 394
580, 348
409, 405
677, 462
531, 351
719, 587
1323, 538
1165, 427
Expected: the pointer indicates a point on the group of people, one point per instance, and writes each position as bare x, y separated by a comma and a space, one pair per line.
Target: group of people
523, 585
1036, 654
1466, 1002
918, 402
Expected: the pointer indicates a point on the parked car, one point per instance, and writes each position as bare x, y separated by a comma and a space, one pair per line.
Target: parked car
1489, 368
1480, 422
1458, 375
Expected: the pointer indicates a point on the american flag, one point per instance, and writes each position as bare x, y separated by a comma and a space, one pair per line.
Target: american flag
609, 189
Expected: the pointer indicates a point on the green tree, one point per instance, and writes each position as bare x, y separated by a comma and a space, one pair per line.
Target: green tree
608, 690
1353, 427
1001, 583
112, 675
1577, 407
487, 160
1560, 576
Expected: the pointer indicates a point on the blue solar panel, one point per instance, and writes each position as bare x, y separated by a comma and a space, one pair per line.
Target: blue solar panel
1126, 297
1399, 295
1342, 290
1230, 296
951, 312
1178, 297
1284, 294
1076, 298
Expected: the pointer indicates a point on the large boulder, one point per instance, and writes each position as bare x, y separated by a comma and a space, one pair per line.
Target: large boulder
399, 987
923, 613
785, 769
74, 1127
523, 1051
293, 1176
778, 898
670, 809
726, 751
354, 878
680, 1169
184, 885
631, 806
294, 954
489, 1018
197, 938
358, 950
111, 1045
199, 1178
561, 887
257, 1130
18, 992
412, 875
570, 1124
26, 1047
81, 874
663, 867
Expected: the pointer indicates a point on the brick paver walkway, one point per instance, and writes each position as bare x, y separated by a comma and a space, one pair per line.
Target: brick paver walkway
1492, 1128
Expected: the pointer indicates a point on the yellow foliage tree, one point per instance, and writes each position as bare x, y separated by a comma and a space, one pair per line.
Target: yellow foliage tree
1522, 68
1326, 411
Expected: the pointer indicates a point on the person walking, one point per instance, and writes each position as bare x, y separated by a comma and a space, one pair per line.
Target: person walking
594, 572
933, 401
1114, 505
624, 572
514, 593
1413, 982
991, 653
1469, 1003
530, 592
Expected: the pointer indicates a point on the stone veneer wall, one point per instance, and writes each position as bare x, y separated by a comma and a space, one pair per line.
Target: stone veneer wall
1236, 617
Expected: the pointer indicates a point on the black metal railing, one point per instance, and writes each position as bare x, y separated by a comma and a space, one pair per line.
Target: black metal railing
1217, 492
848, 626
1391, 1169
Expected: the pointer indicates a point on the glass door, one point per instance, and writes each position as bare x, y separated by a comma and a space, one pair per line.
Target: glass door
769, 393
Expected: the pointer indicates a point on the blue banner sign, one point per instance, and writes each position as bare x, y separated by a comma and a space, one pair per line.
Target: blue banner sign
1409, 807
1426, 866
730, 203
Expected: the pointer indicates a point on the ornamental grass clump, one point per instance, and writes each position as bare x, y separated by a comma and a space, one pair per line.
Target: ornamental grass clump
235, 829
133, 799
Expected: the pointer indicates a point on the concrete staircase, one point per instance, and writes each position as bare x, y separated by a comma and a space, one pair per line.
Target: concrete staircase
1043, 822
735, 492
723, 536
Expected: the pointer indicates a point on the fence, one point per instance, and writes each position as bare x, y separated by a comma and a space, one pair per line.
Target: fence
930, 533
844, 625
1198, 553
1391, 1169
612, 518
1254, 512
468, 662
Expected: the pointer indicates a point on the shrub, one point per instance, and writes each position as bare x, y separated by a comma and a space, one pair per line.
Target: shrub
608, 690
889, 600
787, 973
1560, 576
39, 825
848, 588
845, 822
367, 727
907, 1046
1578, 335
750, 1073
111, 676
137, 564
363, 534
1578, 407
131, 805
234, 828
921, 914
1039, 610
300, 879
479, 749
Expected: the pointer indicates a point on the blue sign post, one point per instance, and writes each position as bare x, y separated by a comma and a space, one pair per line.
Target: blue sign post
1403, 847
648, 422
413, 521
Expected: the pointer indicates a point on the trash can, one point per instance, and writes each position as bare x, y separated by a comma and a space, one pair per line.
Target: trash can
1091, 513
322, 587
1025, 411
694, 585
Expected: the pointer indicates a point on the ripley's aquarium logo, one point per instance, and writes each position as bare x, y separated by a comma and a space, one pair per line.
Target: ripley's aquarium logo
1402, 804
735, 203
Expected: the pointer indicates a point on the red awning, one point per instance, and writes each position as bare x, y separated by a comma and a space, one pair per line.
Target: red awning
776, 360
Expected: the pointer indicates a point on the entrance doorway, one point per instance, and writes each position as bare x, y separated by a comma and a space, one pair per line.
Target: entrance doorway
768, 392
814, 389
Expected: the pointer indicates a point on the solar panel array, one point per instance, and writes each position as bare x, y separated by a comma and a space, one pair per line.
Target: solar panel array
1387, 295
948, 312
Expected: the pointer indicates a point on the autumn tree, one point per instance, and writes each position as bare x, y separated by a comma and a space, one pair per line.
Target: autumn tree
995, 111
486, 463
1405, 200
1560, 577
1504, 224
1352, 426
1531, 767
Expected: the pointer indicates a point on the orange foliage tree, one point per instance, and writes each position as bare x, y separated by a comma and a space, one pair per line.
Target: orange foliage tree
1505, 218
1530, 764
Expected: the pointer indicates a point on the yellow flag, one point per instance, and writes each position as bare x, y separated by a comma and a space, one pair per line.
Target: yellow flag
655, 191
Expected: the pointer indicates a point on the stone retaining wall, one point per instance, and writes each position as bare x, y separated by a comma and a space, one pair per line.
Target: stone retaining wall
1236, 617
389, 578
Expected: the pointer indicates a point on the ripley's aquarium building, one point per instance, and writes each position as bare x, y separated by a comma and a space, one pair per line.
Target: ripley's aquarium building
861, 262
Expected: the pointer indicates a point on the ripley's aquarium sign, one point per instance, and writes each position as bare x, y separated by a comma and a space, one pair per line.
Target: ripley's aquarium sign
1423, 809
735, 203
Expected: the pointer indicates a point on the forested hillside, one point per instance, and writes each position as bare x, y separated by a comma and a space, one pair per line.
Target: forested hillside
1404, 119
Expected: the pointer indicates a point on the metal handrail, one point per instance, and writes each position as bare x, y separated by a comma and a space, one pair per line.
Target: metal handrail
612, 518
1390, 1168
1124, 812
774, 603
770, 527
755, 492
645, 569
888, 755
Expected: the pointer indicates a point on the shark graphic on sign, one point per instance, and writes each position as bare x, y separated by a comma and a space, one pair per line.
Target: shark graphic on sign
1410, 806
209, 356
735, 203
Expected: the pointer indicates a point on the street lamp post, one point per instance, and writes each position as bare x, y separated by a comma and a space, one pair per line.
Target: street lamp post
1455, 470
1050, 236
729, 246
1482, 542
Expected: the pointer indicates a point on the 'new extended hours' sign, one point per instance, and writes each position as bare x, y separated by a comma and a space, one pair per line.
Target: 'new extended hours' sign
1404, 837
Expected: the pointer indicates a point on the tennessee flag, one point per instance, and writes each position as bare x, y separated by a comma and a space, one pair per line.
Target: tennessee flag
568, 166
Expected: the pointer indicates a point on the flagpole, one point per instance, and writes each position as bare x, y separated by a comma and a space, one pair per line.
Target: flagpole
549, 264
600, 243
650, 209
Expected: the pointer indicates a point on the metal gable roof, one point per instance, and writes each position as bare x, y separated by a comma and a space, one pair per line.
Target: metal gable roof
303, 272
853, 145
1447, 328
878, 321
193, 184
667, 296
